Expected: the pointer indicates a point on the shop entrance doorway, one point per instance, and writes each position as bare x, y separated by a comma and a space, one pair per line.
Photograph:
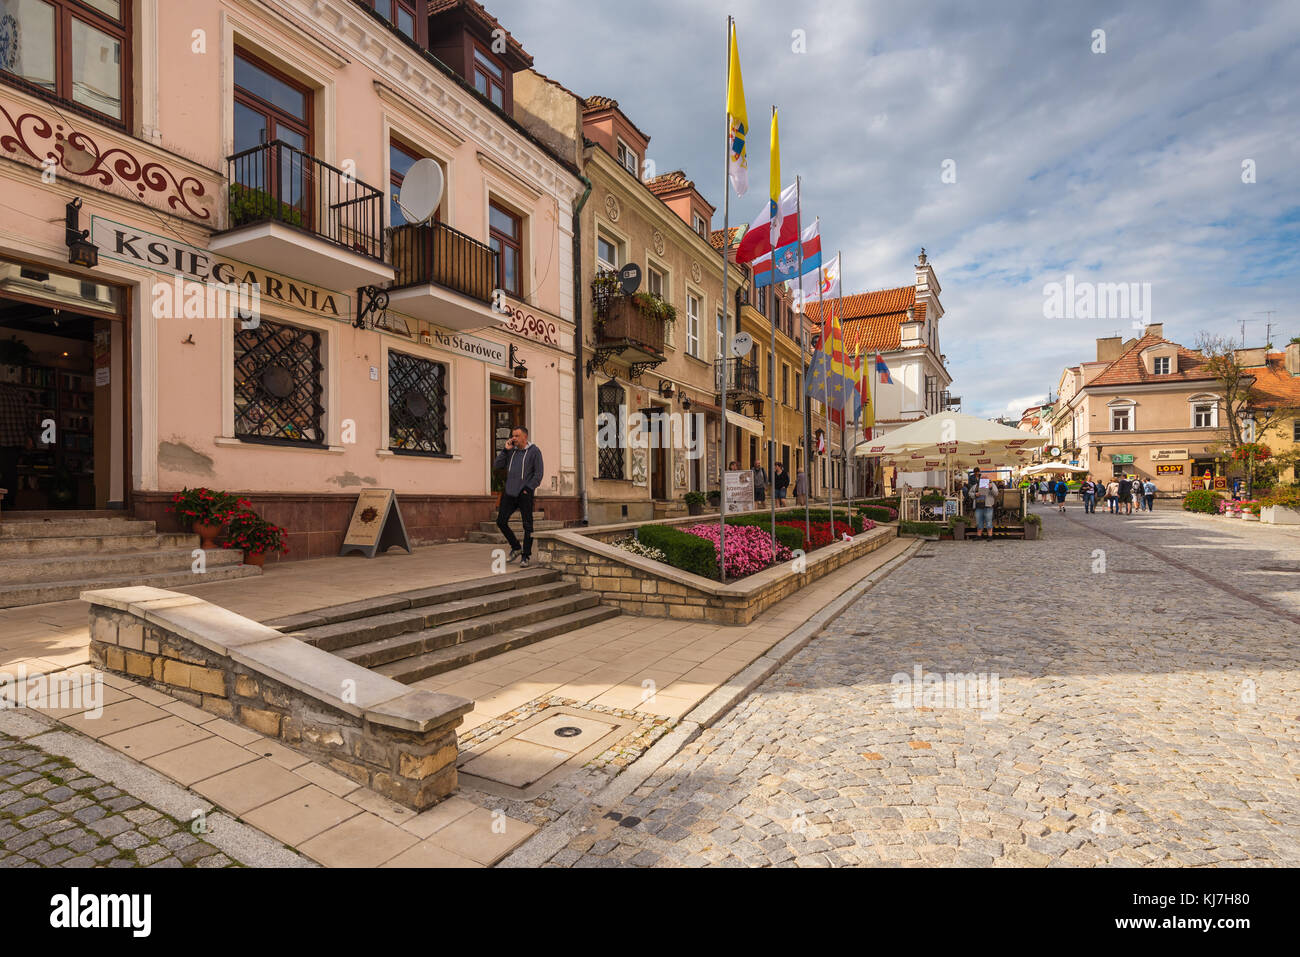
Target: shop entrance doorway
63, 431
508, 410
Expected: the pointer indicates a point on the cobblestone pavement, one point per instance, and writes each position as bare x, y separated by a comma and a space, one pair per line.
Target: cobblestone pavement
53, 815
1147, 714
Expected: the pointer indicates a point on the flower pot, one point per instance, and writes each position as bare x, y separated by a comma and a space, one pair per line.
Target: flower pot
695, 508
207, 534
257, 559
959, 531
1031, 531
1249, 517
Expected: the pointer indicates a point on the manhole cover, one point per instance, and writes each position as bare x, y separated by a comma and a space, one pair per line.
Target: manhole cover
568, 732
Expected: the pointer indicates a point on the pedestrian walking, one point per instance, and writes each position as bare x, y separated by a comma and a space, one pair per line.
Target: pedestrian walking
1126, 495
985, 495
1062, 490
780, 484
1149, 493
1045, 490
800, 488
524, 469
1112, 496
1088, 490
760, 484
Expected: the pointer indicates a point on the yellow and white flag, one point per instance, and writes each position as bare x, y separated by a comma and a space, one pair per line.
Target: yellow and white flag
737, 123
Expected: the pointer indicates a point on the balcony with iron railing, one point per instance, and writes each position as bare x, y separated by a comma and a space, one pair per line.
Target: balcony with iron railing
742, 383
630, 328
442, 276
295, 214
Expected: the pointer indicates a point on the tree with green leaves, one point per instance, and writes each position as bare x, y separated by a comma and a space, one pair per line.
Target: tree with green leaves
1249, 411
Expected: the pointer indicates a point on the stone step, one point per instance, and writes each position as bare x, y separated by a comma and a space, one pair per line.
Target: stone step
45, 546
60, 568
394, 649
410, 670
22, 527
15, 596
418, 598
342, 636
539, 525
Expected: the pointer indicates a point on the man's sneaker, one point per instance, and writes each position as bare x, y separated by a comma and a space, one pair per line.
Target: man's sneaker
514, 557
524, 563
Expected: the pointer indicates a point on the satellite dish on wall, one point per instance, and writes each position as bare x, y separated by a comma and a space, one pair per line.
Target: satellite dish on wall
629, 278
741, 343
421, 191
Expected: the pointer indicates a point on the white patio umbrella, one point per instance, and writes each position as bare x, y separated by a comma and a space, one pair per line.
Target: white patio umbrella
1042, 467
947, 433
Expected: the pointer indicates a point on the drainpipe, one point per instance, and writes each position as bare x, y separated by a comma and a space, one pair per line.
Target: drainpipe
578, 379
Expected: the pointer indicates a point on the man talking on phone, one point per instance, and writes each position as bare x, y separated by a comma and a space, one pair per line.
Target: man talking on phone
523, 464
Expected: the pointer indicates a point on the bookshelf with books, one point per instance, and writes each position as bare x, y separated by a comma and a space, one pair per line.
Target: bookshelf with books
59, 474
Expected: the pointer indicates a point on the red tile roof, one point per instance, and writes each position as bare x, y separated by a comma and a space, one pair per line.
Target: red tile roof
871, 319
1128, 369
673, 182
736, 232
1281, 388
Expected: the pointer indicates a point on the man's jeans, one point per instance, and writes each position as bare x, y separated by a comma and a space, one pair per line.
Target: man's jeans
524, 503
1151, 502
1089, 502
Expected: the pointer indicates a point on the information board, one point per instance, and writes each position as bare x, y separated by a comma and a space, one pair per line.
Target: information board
376, 524
738, 491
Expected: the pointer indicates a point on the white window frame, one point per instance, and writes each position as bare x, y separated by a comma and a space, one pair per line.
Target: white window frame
626, 154
719, 332
693, 323
699, 224
620, 250
1129, 408
1200, 400
1156, 362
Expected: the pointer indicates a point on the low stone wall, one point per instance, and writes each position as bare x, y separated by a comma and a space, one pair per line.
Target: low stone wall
393, 739
640, 586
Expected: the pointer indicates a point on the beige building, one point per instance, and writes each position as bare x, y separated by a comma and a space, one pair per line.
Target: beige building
649, 420
1145, 407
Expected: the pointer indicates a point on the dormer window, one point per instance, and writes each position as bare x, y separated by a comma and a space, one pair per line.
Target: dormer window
699, 225
489, 78
1160, 365
628, 159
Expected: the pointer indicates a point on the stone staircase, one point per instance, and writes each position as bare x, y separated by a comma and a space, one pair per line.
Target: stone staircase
55, 559
489, 534
418, 634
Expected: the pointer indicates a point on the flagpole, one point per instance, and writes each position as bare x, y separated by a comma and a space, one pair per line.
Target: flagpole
798, 220
771, 359
724, 346
826, 408
844, 417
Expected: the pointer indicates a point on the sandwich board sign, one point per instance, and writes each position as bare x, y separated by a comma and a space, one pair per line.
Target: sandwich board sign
376, 524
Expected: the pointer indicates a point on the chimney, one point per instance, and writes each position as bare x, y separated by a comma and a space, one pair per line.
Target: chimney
1293, 358
1156, 329
1110, 348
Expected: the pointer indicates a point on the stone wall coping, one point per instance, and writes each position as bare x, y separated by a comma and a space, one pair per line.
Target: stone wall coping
742, 589
332, 680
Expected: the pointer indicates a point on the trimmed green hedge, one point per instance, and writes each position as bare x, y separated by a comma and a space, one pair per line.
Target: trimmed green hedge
878, 513
919, 528
1202, 500
685, 551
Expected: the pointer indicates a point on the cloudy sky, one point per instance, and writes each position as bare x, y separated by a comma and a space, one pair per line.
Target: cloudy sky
1122, 166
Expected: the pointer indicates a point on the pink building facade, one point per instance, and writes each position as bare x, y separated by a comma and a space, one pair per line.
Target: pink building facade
233, 148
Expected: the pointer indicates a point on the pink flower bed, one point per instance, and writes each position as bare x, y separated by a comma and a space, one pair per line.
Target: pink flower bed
749, 549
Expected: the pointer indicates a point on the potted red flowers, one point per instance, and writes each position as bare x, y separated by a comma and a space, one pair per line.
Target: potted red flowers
255, 536
206, 511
